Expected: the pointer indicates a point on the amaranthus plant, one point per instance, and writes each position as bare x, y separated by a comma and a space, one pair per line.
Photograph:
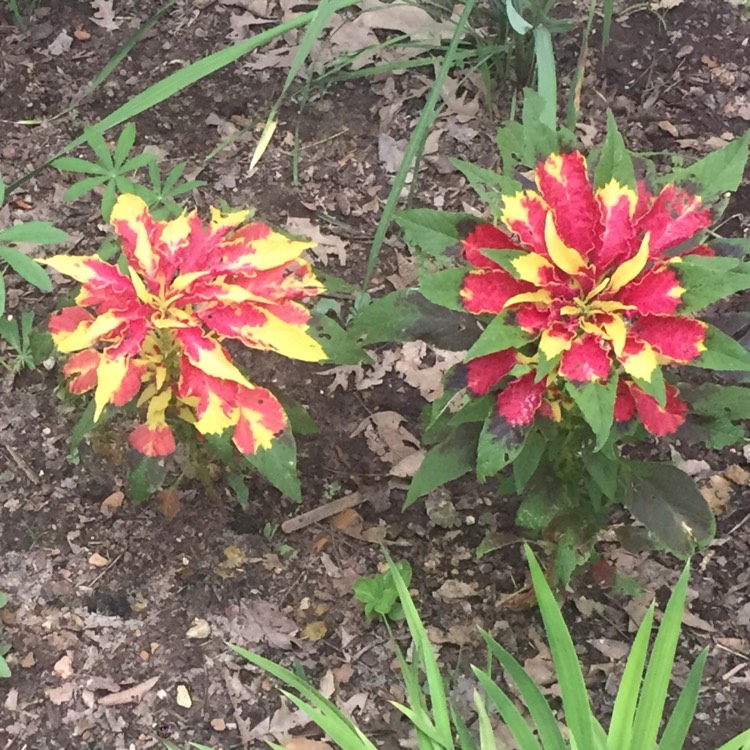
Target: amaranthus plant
585, 290
152, 333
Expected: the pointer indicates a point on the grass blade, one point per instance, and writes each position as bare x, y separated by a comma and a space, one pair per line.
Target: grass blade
426, 655
654, 695
546, 75
181, 79
416, 144
541, 714
684, 712
621, 725
575, 698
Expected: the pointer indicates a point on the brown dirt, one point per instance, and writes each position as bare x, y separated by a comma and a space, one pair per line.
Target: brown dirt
676, 79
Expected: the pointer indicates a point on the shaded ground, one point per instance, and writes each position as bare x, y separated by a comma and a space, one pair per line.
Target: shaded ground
102, 600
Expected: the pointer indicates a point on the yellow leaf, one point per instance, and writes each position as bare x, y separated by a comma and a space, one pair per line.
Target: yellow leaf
315, 631
566, 258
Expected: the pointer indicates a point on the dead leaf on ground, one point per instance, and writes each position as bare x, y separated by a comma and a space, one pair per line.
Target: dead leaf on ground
717, 493
64, 667
182, 697
327, 246
130, 695
453, 589
105, 15
169, 503
302, 743
62, 694
388, 439
235, 558
111, 503
314, 631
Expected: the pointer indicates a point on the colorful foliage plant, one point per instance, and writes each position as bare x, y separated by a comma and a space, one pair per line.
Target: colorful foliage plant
582, 297
151, 329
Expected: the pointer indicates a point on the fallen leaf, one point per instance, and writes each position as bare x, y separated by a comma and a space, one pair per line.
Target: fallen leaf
169, 503
391, 442
218, 725
327, 246
60, 44
62, 694
314, 631
64, 667
199, 629
183, 698
105, 15
130, 695
302, 743
98, 561
28, 661
717, 493
453, 589
81, 34
111, 503
737, 474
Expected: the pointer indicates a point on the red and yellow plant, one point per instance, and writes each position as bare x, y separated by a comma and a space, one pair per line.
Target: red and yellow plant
590, 281
579, 304
155, 330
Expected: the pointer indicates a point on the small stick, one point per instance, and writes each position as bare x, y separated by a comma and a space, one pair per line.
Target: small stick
16, 456
352, 500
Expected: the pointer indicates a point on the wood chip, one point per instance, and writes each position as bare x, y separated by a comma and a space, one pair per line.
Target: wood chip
183, 697
98, 561
131, 695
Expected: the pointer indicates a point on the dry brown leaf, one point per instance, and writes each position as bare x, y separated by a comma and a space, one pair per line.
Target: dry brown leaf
182, 697
388, 439
169, 503
314, 631
98, 561
130, 695
105, 15
62, 694
327, 246
64, 667
735, 473
302, 743
717, 493
112, 502
453, 589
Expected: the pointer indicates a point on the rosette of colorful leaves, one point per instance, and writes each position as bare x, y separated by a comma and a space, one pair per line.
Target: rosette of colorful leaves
154, 330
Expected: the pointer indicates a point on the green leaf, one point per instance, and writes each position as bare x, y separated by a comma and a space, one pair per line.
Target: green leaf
99, 146
405, 315
719, 172
278, 464
614, 159
448, 460
145, 479
597, 404
518, 23
626, 701
238, 485
722, 353
668, 503
604, 470
10, 332
648, 716
443, 287
299, 418
433, 232
27, 268
138, 161
711, 399
2, 293
489, 185
339, 345
499, 444
74, 192
546, 75
34, 233
707, 280
499, 335
578, 714
675, 733
124, 144
540, 503
2, 191
5, 672
81, 166
527, 461
656, 387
